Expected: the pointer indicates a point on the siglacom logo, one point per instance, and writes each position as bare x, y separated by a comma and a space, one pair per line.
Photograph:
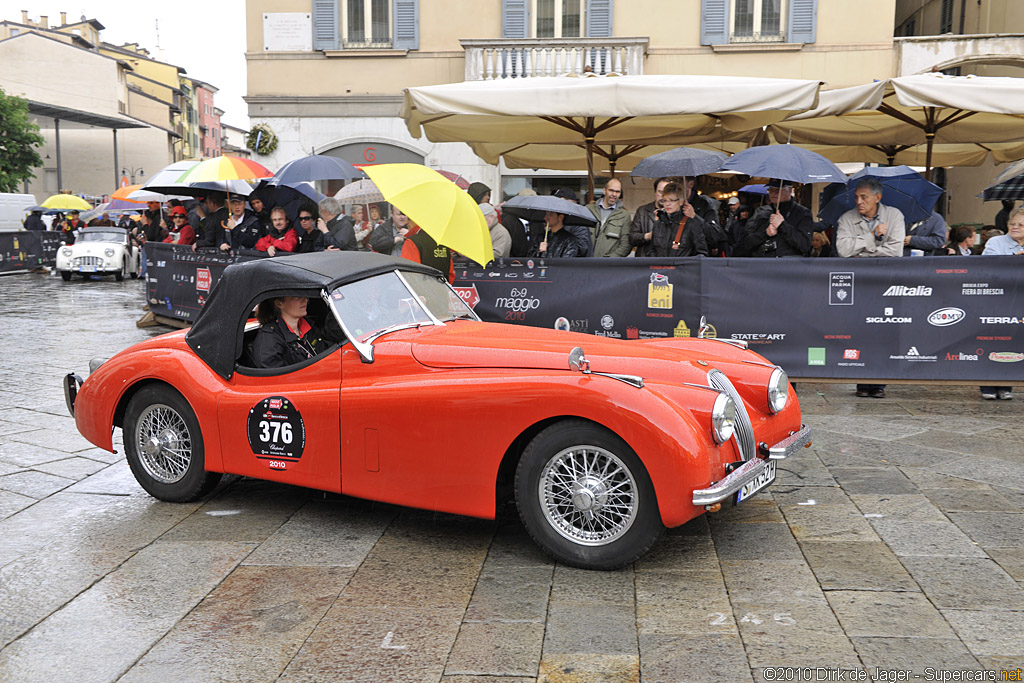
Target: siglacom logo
945, 317
903, 290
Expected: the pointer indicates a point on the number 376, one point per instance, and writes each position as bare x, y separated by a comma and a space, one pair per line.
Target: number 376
271, 431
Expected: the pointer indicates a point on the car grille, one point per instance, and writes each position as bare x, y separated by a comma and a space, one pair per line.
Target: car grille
88, 261
744, 430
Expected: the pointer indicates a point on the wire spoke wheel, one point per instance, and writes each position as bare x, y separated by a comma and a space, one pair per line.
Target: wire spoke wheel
164, 443
588, 495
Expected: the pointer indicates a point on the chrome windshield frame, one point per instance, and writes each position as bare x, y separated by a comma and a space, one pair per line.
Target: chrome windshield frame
365, 348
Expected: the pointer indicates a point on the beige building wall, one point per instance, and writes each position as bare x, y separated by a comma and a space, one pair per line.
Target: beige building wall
323, 100
990, 17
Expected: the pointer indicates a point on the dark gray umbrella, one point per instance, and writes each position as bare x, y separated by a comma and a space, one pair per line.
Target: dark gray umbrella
1007, 185
534, 208
682, 161
315, 167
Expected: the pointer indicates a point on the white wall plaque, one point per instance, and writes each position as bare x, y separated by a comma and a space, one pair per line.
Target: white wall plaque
288, 32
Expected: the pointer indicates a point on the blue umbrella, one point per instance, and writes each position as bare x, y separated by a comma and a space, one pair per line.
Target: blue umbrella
754, 189
315, 167
902, 188
786, 162
682, 161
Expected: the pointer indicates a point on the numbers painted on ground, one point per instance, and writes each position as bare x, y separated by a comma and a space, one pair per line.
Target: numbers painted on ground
780, 618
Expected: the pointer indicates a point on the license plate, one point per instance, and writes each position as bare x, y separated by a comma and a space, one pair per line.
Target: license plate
766, 477
88, 269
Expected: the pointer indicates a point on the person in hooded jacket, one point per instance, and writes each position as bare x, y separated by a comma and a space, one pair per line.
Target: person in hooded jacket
674, 232
563, 241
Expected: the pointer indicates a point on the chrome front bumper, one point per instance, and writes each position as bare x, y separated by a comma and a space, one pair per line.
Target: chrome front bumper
750, 470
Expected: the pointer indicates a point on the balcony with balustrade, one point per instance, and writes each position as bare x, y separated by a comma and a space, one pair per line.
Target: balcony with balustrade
492, 59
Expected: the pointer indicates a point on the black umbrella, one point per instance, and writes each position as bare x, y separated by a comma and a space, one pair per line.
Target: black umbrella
534, 208
1008, 185
291, 199
682, 161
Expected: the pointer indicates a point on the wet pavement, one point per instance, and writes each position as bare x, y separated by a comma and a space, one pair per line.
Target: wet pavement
894, 546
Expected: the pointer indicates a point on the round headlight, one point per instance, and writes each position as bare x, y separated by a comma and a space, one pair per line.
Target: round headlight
778, 390
108, 251
723, 418
66, 251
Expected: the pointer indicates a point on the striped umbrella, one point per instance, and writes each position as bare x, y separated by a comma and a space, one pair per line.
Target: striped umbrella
123, 192
225, 168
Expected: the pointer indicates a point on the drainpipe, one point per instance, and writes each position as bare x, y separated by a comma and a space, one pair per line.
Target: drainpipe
963, 11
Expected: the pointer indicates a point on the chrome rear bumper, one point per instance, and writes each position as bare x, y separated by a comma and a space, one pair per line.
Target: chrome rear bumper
750, 470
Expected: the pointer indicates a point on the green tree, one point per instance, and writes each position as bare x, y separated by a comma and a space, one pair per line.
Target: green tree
19, 138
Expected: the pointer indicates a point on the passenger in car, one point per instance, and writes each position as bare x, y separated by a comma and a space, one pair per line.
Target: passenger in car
286, 336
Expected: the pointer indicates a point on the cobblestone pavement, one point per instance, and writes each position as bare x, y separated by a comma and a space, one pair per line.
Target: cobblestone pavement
895, 543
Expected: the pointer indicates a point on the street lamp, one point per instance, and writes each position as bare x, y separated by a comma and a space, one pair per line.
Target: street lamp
133, 172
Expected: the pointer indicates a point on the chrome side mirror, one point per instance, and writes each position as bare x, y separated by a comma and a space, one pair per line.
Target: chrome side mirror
703, 328
578, 361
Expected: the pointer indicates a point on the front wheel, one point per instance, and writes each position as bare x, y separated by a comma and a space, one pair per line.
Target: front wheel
164, 446
65, 275
119, 275
586, 498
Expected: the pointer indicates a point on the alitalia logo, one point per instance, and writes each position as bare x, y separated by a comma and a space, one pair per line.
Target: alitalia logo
903, 290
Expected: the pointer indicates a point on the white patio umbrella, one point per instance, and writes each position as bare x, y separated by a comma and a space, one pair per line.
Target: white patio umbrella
925, 109
602, 110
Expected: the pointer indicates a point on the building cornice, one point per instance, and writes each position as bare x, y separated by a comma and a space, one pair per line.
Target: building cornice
323, 105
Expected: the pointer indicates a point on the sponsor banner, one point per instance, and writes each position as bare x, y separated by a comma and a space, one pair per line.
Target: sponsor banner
928, 318
28, 249
179, 280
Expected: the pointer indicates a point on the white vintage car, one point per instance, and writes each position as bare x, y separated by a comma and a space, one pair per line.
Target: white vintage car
100, 251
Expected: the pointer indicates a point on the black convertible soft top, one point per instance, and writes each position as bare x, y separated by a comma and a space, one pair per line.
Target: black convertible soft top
216, 336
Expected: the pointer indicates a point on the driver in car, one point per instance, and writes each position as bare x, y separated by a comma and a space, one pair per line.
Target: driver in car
286, 336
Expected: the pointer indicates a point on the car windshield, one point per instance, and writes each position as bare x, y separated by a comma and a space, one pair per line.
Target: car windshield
370, 306
104, 236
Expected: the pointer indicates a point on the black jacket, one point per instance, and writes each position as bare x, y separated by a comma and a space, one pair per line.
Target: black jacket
571, 241
34, 222
210, 233
793, 238
691, 243
246, 233
706, 209
382, 239
524, 238
343, 232
276, 346
314, 240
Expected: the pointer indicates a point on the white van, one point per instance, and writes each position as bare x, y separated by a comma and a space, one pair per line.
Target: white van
13, 210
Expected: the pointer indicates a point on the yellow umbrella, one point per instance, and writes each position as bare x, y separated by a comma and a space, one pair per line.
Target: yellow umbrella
436, 204
66, 202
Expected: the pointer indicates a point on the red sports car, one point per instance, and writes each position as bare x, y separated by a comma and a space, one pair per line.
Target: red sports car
413, 400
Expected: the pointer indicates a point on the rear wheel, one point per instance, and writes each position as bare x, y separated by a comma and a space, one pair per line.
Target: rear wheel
65, 275
164, 446
586, 498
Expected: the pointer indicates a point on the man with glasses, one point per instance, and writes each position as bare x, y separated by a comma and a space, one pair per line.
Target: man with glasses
611, 234
783, 227
313, 234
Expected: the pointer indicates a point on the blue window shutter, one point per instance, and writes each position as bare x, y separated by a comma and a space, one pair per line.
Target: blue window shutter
714, 22
803, 21
407, 24
325, 24
515, 18
599, 18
